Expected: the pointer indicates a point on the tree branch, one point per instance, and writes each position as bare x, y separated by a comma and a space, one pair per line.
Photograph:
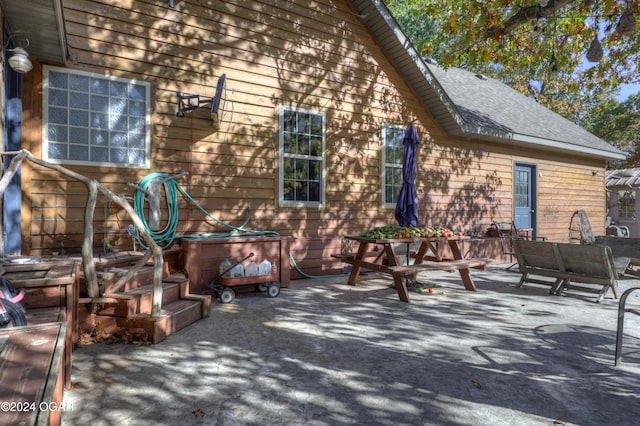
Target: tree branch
526, 14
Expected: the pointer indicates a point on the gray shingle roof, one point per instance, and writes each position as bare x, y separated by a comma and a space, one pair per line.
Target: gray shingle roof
469, 107
488, 103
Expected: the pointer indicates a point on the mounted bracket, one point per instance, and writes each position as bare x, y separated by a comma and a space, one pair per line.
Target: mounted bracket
190, 102
153, 195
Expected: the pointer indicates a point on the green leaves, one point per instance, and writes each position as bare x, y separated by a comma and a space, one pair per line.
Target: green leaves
506, 39
618, 123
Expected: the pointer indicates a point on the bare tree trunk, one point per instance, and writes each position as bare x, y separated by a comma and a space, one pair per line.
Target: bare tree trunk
11, 170
526, 14
93, 290
158, 261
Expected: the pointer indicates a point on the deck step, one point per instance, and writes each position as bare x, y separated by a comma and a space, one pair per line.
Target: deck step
139, 300
110, 276
132, 312
141, 278
173, 317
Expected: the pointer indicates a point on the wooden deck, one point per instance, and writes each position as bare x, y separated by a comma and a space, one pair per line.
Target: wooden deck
51, 295
32, 371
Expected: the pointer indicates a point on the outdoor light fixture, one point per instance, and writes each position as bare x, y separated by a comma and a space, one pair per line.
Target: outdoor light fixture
19, 62
190, 102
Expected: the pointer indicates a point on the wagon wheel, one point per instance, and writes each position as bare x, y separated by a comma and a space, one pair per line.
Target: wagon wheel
574, 228
262, 287
273, 289
227, 295
580, 229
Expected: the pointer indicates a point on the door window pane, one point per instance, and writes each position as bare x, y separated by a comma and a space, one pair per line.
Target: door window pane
521, 188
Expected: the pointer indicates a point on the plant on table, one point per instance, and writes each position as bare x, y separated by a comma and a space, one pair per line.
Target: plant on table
399, 232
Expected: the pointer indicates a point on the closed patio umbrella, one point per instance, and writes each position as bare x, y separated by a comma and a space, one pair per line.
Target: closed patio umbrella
407, 205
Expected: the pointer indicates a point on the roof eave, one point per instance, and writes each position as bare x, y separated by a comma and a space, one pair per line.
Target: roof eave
426, 86
527, 141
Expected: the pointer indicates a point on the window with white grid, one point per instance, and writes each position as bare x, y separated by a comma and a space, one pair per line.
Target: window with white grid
92, 119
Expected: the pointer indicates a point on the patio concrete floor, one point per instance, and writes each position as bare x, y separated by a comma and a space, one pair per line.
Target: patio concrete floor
324, 353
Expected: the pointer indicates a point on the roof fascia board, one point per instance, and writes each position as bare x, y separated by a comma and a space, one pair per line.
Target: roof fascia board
409, 50
533, 141
62, 32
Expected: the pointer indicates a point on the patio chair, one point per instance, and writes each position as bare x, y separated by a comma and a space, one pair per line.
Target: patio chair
507, 232
622, 309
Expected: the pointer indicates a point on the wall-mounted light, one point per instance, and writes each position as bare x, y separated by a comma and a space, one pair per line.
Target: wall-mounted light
19, 61
594, 172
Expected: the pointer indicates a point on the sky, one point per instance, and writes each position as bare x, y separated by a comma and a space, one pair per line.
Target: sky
628, 89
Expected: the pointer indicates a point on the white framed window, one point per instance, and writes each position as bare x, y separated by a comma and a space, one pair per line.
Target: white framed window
392, 152
302, 157
92, 119
627, 204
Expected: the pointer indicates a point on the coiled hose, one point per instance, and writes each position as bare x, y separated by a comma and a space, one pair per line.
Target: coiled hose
166, 236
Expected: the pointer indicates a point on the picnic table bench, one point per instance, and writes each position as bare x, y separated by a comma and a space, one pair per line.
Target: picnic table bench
429, 257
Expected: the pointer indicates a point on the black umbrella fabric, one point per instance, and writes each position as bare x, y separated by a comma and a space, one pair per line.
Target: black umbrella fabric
407, 205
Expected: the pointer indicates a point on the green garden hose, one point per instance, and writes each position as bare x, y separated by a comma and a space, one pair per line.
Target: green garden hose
165, 237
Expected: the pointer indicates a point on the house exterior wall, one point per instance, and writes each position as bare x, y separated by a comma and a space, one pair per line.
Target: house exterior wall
317, 56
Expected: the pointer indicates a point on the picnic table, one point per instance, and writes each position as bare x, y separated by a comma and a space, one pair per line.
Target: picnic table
431, 256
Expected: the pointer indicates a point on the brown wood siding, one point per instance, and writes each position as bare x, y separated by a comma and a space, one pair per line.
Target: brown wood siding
317, 56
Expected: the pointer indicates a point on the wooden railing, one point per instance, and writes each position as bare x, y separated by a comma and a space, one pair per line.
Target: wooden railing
94, 187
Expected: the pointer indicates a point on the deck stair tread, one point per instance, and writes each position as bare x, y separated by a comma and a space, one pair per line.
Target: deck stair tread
132, 310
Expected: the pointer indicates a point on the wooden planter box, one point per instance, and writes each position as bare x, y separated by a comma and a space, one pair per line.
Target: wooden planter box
51, 296
202, 257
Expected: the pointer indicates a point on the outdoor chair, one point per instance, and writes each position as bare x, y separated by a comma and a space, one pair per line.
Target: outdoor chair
622, 309
507, 232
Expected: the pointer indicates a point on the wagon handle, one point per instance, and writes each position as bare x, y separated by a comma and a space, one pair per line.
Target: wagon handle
250, 255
